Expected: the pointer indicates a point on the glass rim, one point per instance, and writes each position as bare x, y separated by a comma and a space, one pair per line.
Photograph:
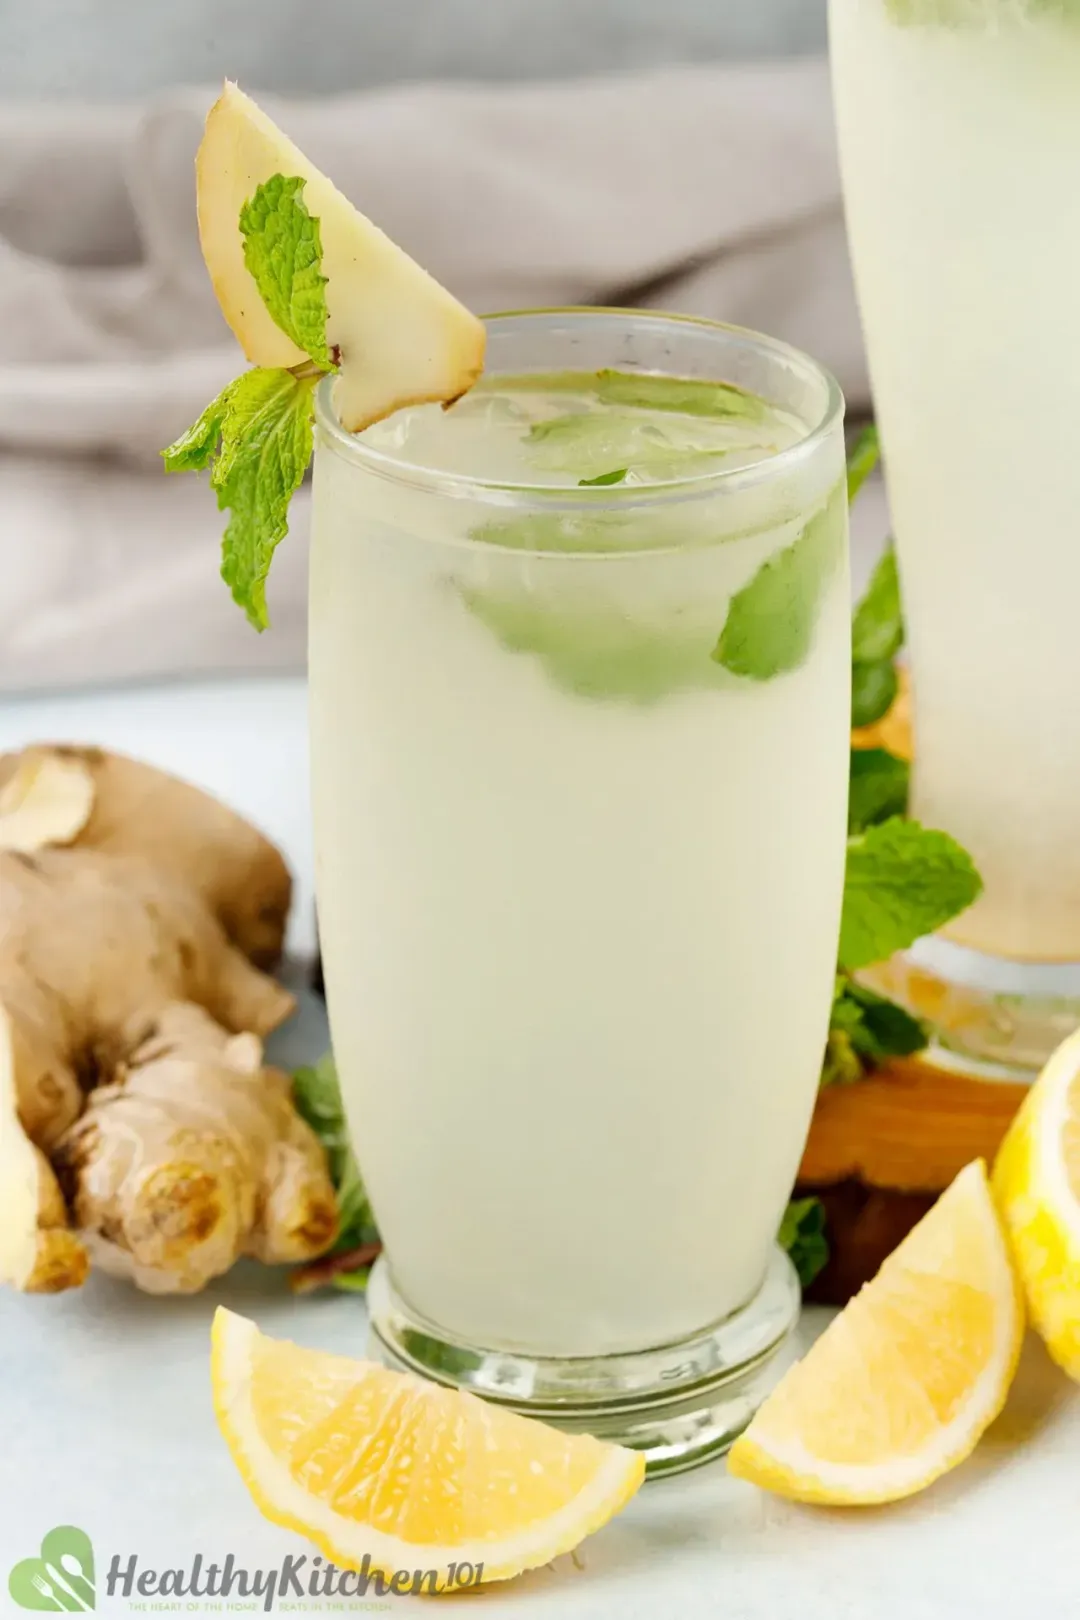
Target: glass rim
570, 498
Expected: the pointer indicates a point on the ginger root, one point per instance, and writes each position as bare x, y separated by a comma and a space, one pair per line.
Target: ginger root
130, 1037
193, 1156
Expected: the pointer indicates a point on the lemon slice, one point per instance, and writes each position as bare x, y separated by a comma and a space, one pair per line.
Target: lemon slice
904, 1381
1037, 1184
367, 1462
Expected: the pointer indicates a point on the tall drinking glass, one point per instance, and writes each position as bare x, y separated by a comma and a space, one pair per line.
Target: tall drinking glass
959, 126
580, 764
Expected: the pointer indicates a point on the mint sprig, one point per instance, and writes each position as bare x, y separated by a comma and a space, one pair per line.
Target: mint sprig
256, 437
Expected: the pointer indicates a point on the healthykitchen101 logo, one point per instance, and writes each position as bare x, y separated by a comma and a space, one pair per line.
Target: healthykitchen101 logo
62, 1579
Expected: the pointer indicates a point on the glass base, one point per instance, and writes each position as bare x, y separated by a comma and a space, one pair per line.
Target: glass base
990, 1017
681, 1404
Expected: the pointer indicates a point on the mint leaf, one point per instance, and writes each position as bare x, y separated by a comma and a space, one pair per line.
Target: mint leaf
593, 532
257, 436
841, 1065
864, 457
689, 396
266, 441
770, 623
598, 652
874, 1027
352, 1282
878, 787
802, 1234
902, 881
877, 630
283, 252
873, 692
587, 443
616, 477
877, 634
318, 1100
194, 450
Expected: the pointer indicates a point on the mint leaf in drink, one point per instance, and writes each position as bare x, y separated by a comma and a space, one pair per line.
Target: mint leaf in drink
864, 457
616, 477
802, 1234
878, 787
962, 13
594, 533
596, 651
588, 444
902, 881
257, 435
687, 395
283, 252
770, 623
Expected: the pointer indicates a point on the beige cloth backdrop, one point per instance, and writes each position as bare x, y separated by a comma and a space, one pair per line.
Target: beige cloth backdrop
712, 190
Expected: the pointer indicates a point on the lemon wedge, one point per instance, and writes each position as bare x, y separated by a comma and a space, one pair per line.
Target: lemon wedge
1037, 1185
902, 1384
371, 1463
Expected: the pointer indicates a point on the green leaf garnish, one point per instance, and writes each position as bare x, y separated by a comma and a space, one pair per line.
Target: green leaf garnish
688, 396
283, 252
317, 1096
864, 457
873, 692
877, 634
877, 630
902, 881
841, 1065
878, 787
875, 1027
802, 1234
616, 477
770, 623
195, 449
352, 1282
257, 435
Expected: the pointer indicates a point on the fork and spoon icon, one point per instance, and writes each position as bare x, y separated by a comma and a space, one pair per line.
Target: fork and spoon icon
61, 1578
68, 1596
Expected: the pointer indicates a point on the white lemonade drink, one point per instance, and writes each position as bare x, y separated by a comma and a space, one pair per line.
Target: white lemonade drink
959, 127
580, 765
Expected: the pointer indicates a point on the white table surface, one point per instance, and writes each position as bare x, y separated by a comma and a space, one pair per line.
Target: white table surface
105, 1417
